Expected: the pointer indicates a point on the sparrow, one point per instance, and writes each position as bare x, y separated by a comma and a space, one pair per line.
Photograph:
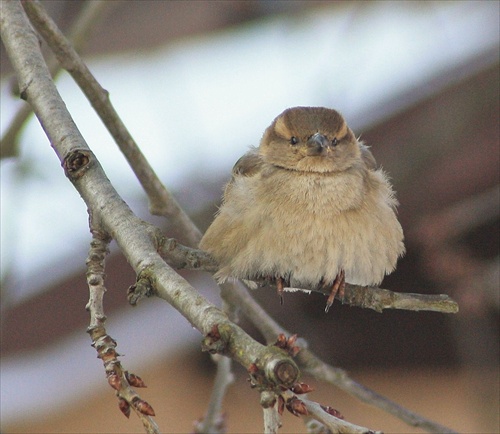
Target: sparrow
307, 209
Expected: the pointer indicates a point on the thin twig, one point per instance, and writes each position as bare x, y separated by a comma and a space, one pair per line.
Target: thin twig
214, 420
161, 201
119, 379
272, 418
378, 299
183, 257
334, 424
91, 14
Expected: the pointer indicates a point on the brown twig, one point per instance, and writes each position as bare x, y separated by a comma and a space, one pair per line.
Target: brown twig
119, 379
378, 299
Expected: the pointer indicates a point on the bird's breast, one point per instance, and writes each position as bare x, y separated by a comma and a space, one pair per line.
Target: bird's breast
311, 192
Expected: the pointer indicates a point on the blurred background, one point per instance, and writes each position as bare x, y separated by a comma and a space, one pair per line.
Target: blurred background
197, 82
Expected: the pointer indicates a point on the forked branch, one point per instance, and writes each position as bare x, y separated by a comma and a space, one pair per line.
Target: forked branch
118, 378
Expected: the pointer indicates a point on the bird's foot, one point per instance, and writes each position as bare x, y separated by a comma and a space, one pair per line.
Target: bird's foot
338, 287
280, 288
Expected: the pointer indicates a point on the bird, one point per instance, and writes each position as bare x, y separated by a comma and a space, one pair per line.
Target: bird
308, 208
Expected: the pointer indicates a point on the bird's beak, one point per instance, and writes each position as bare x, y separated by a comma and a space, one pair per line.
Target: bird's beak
317, 144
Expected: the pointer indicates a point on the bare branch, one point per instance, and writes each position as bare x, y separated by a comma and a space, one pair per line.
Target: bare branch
183, 257
214, 420
95, 277
272, 417
119, 379
378, 299
334, 424
162, 201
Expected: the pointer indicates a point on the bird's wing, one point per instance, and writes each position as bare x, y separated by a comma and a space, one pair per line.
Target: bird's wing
250, 164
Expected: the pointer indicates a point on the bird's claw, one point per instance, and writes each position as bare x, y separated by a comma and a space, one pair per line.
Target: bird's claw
280, 288
338, 287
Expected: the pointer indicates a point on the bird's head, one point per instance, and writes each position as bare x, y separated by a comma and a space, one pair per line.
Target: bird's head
310, 139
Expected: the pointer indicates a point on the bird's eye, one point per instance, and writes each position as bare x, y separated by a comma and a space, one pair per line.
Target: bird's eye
294, 140
335, 142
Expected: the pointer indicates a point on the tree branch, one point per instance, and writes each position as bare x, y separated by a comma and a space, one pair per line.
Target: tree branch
378, 299
272, 418
214, 420
334, 424
118, 378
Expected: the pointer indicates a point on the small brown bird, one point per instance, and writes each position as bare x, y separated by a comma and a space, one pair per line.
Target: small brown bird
307, 209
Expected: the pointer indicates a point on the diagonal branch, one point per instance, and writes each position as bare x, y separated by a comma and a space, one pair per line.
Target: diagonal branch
334, 424
118, 378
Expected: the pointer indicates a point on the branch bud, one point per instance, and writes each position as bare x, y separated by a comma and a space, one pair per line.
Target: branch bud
114, 381
143, 407
134, 380
297, 407
332, 411
300, 388
124, 407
